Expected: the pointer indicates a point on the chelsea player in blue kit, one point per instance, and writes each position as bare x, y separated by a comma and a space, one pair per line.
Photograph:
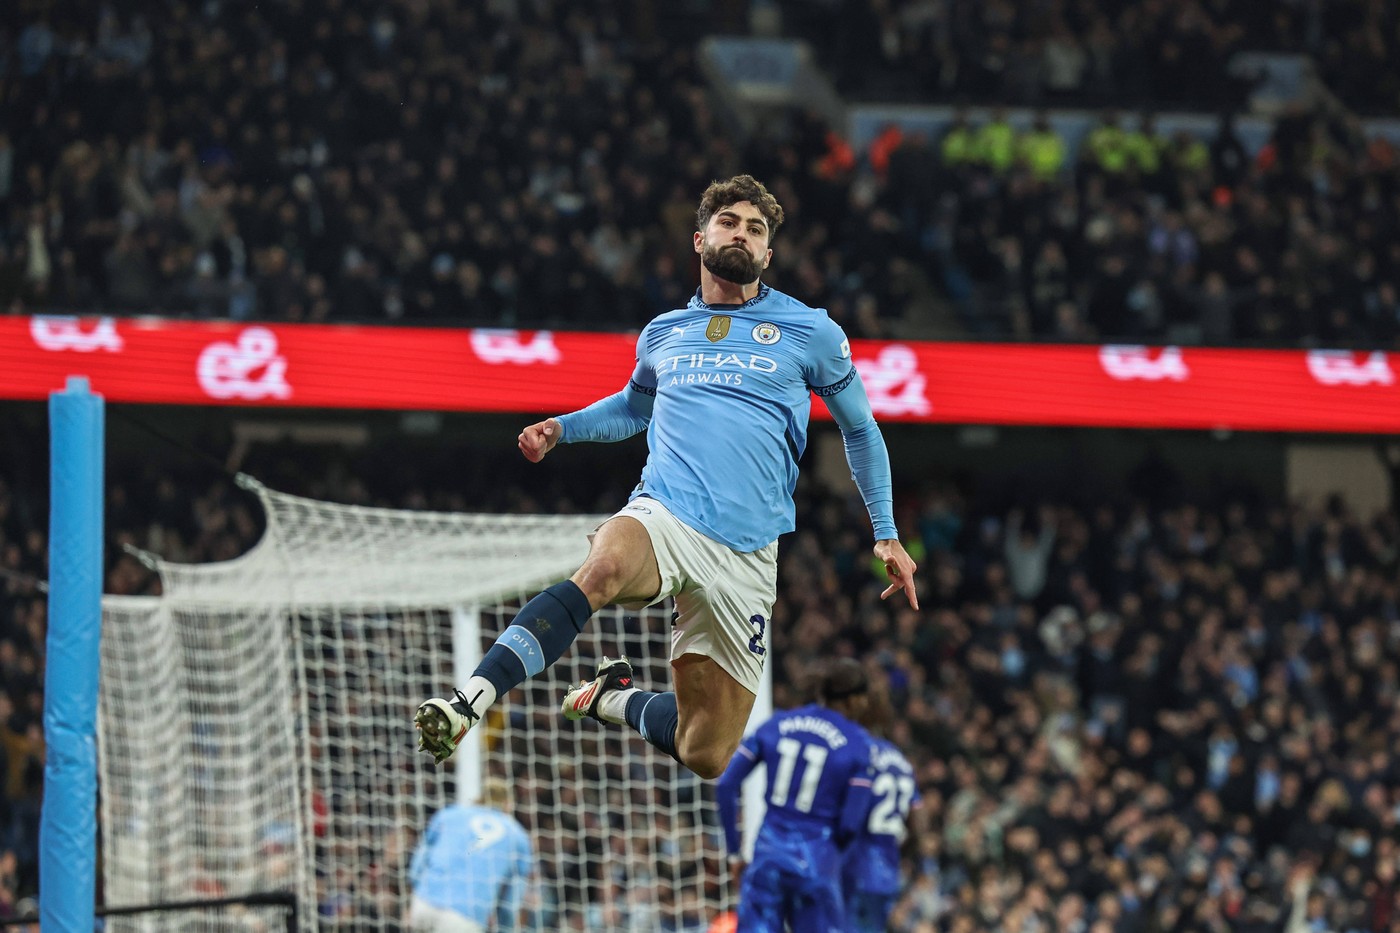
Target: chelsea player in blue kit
820, 774
870, 875
722, 388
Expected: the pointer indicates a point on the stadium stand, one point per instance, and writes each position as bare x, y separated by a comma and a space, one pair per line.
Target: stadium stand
1161, 712
1152, 237
429, 163
1174, 55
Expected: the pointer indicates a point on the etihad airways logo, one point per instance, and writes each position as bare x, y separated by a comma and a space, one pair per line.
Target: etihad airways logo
1342, 368
711, 368
1125, 362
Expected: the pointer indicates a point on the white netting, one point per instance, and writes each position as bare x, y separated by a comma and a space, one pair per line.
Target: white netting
256, 730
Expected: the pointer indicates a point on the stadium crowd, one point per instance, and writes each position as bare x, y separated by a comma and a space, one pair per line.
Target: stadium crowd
1174, 54
475, 164
1135, 717
1172, 712
1156, 237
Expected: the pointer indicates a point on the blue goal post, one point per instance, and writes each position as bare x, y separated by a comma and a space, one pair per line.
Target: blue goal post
68, 825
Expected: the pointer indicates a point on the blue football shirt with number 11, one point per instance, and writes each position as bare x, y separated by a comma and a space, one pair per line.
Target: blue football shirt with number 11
819, 776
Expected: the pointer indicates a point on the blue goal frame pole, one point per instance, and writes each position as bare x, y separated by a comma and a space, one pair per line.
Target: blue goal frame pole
68, 825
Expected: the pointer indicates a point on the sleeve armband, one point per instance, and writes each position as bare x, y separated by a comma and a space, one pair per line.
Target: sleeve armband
827, 391
636, 386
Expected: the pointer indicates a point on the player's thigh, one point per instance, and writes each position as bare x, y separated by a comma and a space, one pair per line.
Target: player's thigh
868, 913
621, 564
818, 908
762, 901
712, 709
724, 613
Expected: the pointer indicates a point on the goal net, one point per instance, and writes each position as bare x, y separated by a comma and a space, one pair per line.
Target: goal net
255, 730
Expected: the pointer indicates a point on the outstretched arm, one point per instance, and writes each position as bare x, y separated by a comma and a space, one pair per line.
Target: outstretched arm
615, 418
855, 809
870, 467
727, 793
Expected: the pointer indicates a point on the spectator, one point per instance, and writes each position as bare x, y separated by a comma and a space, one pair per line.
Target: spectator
1106, 148
1042, 150
995, 143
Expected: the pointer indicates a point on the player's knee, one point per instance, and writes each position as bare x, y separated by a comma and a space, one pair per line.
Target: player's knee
707, 761
601, 578
708, 766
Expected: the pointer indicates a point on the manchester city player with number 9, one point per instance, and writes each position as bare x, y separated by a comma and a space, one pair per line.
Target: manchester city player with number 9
819, 778
470, 869
722, 388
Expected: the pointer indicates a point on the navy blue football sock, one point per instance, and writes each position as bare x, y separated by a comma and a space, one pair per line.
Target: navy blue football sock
538, 636
654, 716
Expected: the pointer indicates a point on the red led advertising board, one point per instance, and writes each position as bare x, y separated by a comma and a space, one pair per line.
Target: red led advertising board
334, 366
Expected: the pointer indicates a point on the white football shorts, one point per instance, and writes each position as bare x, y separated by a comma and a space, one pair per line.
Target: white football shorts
724, 598
425, 918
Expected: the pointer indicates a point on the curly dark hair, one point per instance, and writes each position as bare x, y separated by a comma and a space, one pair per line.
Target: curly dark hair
841, 679
721, 194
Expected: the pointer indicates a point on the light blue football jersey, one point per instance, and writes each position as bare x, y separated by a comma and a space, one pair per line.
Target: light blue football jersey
473, 860
733, 391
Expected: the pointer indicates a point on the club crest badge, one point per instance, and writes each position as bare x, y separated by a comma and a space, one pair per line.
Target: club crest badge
767, 334
718, 328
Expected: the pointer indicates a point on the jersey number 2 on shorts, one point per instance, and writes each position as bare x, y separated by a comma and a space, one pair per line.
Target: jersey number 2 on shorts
756, 642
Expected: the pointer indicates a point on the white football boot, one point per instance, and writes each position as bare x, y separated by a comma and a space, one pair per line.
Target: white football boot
442, 724
583, 700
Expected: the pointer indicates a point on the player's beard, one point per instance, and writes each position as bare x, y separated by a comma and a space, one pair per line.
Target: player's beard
731, 263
